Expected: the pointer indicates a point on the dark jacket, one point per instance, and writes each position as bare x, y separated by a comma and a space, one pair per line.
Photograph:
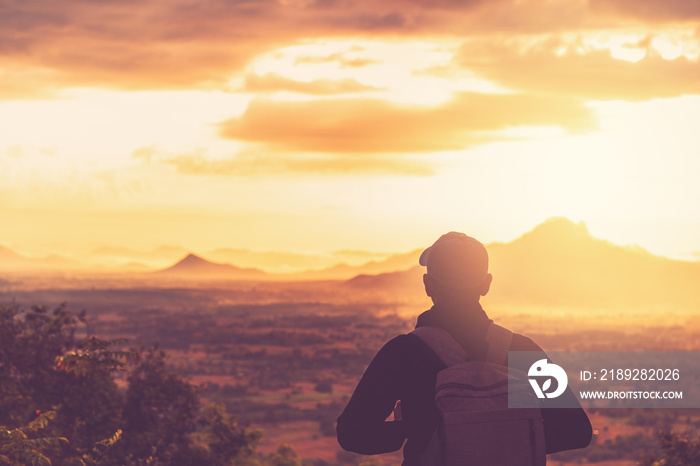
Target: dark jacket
406, 369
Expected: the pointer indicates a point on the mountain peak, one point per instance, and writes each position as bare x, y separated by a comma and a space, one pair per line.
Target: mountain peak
192, 258
193, 264
561, 226
556, 232
8, 254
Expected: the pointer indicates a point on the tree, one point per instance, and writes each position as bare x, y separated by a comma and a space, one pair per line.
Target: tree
227, 442
85, 419
160, 411
18, 449
44, 368
284, 456
29, 344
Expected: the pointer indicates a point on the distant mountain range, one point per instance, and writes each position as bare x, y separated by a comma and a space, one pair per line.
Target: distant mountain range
274, 262
290, 262
197, 266
11, 261
560, 263
193, 266
162, 254
344, 271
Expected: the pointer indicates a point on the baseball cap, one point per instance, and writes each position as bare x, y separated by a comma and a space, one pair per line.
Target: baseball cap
457, 260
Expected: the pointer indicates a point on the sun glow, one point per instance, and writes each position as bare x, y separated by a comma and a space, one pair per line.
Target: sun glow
391, 125
401, 72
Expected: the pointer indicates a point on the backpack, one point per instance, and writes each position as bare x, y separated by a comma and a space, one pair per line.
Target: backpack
476, 426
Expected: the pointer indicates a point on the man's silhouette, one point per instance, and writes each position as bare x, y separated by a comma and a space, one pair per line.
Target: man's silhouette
405, 369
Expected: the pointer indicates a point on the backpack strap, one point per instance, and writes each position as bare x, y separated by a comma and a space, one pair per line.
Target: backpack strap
450, 352
441, 342
499, 339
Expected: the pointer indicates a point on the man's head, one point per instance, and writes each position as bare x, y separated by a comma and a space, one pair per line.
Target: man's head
457, 268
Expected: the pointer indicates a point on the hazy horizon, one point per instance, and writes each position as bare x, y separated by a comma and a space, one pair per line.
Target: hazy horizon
117, 257
303, 126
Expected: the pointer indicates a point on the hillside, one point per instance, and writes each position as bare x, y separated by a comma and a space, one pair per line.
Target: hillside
394, 263
560, 263
193, 266
13, 261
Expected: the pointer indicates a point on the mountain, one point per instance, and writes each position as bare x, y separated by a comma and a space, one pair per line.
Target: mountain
134, 267
410, 279
271, 261
338, 264
560, 263
393, 263
13, 261
197, 267
117, 255
8, 256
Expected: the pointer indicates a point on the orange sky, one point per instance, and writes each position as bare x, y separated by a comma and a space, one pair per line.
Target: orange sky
316, 125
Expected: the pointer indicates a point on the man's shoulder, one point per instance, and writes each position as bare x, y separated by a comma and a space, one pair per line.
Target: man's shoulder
523, 343
407, 350
410, 346
401, 344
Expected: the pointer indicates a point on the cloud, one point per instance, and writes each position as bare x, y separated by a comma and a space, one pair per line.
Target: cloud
182, 44
152, 44
376, 126
133, 45
248, 164
18, 81
588, 74
273, 82
653, 11
340, 57
146, 153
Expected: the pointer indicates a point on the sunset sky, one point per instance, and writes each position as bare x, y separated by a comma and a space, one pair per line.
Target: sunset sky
321, 125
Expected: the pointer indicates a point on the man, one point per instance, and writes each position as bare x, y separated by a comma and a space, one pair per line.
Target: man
405, 369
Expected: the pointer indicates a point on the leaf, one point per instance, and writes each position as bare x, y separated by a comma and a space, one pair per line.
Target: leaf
546, 385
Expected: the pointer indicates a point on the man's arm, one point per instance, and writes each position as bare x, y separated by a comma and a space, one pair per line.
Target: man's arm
362, 427
564, 428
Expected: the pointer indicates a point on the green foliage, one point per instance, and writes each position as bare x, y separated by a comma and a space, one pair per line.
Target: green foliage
160, 411
95, 355
86, 420
29, 343
676, 450
284, 456
45, 369
99, 451
227, 442
22, 446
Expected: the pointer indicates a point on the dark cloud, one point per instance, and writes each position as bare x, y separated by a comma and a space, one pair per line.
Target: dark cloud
375, 126
653, 11
372, 22
154, 44
23, 17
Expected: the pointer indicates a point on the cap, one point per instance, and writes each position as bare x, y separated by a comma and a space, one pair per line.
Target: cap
457, 260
